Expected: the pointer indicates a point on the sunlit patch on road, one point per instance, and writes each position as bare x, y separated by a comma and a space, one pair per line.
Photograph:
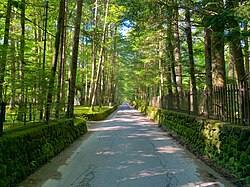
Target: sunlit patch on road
168, 149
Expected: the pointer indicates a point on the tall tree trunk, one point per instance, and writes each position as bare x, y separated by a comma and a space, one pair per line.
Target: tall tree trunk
177, 52
94, 53
161, 71
82, 76
43, 85
172, 59
208, 65
235, 43
4, 57
246, 49
39, 64
100, 58
55, 60
193, 89
21, 109
63, 53
218, 58
5, 47
112, 76
74, 57
13, 69
58, 107
86, 79
61, 70
208, 59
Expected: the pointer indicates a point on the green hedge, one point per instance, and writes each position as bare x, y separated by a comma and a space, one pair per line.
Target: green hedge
22, 152
97, 116
226, 144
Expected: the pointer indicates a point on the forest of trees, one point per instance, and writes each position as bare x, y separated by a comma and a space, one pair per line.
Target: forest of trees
104, 51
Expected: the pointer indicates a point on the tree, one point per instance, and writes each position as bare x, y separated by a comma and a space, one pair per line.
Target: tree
218, 56
21, 111
100, 57
235, 43
177, 50
74, 57
193, 89
4, 57
55, 59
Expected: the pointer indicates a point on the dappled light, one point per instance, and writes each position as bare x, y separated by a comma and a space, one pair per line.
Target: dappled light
106, 153
168, 149
115, 128
132, 151
65, 64
143, 174
203, 184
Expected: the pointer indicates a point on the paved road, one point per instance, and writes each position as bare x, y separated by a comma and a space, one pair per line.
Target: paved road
128, 150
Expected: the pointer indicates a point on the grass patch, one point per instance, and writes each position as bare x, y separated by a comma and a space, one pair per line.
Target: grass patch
86, 110
80, 112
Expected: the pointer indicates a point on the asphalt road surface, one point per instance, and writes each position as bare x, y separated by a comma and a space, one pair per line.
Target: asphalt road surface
127, 150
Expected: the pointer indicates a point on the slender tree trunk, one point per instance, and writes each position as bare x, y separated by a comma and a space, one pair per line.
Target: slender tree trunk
193, 89
246, 49
82, 89
21, 109
94, 53
4, 57
86, 79
100, 58
55, 60
5, 47
172, 60
74, 57
112, 78
61, 66
169, 88
13, 70
39, 65
63, 53
177, 52
161, 71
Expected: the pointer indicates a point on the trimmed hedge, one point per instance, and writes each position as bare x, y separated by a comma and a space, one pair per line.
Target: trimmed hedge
97, 116
22, 152
226, 144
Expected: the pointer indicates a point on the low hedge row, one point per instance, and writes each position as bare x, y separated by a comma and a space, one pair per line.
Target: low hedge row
97, 116
226, 144
22, 152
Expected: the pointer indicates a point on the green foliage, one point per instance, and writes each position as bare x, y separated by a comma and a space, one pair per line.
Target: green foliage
224, 143
24, 151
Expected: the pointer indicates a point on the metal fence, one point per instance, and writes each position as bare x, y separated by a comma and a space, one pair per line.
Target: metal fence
230, 103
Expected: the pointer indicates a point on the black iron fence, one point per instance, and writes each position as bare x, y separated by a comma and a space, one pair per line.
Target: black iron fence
230, 103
